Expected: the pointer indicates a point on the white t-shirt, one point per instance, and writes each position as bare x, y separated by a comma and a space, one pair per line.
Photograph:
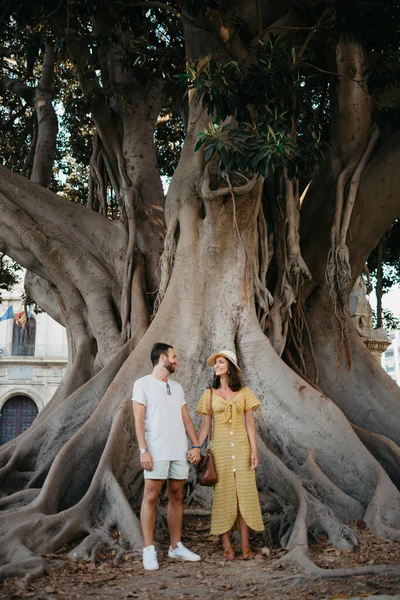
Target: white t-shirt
164, 428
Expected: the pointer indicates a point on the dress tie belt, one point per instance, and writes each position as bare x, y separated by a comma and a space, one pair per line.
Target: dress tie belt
230, 412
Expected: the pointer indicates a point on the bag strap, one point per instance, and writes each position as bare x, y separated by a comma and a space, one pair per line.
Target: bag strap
209, 437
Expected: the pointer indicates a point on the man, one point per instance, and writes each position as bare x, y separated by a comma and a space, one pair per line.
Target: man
162, 421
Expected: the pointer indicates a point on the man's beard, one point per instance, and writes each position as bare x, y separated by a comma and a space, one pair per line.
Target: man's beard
170, 367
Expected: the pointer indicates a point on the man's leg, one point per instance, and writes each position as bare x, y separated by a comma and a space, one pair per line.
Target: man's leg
175, 510
177, 476
152, 489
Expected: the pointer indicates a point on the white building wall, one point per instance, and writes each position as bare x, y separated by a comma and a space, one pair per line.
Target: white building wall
391, 358
35, 376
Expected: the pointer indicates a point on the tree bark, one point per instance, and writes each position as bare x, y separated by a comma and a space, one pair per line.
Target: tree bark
42, 169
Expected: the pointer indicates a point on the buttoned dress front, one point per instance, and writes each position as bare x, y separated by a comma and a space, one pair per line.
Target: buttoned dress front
231, 450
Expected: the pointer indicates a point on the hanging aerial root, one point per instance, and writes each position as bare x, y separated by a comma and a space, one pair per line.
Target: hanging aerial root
261, 261
166, 262
338, 271
292, 269
297, 270
292, 364
129, 197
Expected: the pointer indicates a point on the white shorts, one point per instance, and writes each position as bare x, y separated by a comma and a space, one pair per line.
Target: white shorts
168, 469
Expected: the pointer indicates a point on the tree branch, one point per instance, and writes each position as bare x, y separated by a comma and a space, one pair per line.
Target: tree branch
47, 125
152, 4
210, 194
17, 87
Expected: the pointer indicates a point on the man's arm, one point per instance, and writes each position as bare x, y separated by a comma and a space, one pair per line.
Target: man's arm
139, 412
194, 453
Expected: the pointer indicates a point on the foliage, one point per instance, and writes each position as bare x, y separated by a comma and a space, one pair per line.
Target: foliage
389, 321
9, 273
271, 106
168, 136
391, 258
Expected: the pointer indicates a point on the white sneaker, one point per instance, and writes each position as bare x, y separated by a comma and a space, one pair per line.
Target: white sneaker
150, 562
184, 553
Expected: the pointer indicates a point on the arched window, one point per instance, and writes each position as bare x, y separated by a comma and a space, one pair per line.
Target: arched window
17, 415
23, 342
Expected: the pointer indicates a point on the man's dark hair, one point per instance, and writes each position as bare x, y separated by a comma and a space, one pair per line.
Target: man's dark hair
156, 352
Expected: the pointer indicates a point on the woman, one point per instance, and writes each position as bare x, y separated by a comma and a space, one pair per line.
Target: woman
234, 446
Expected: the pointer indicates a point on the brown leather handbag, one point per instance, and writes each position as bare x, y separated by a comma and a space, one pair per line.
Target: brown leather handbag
206, 472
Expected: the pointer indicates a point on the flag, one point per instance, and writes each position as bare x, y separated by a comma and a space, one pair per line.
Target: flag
20, 319
9, 314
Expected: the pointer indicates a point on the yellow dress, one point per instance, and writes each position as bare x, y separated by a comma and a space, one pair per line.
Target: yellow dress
232, 456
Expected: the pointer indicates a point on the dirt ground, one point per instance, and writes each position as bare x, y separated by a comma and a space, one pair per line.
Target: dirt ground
212, 577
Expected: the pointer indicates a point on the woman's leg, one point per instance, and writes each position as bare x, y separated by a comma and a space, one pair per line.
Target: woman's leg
245, 535
228, 550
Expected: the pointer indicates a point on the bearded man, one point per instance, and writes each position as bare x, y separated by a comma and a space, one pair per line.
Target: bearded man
162, 423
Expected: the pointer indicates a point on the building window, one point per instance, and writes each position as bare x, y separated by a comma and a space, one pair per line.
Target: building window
389, 353
17, 415
24, 335
390, 368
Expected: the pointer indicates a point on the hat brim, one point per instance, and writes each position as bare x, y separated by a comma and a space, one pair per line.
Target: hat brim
211, 360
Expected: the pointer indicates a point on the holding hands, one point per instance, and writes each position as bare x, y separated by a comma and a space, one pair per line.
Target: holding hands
194, 456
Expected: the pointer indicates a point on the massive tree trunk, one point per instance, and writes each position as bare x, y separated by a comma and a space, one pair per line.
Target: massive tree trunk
326, 458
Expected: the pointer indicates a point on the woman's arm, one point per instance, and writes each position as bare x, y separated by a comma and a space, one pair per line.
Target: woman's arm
205, 429
252, 433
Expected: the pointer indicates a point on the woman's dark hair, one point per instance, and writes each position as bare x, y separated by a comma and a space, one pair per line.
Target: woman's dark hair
235, 382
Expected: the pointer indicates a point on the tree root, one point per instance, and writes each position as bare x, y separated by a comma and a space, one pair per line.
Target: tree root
30, 456
325, 494
94, 544
42, 528
306, 512
319, 485
382, 513
386, 452
298, 558
19, 499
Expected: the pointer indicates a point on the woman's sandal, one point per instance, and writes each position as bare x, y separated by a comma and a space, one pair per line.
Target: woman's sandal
247, 553
229, 554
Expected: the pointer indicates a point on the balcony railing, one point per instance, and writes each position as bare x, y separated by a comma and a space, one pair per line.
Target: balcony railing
34, 350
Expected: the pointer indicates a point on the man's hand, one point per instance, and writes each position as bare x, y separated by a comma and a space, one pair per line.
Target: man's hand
146, 461
194, 456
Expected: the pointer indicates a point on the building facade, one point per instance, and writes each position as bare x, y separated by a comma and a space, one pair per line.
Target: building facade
391, 358
33, 358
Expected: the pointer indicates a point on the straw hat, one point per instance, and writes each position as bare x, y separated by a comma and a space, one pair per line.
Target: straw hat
227, 354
